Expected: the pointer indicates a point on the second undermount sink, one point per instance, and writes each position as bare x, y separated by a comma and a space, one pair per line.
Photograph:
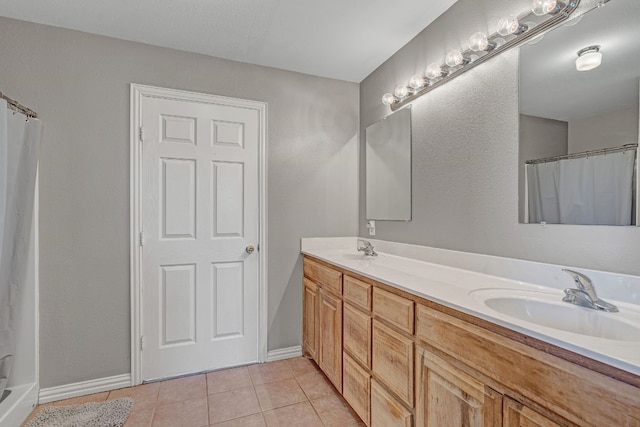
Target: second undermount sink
546, 309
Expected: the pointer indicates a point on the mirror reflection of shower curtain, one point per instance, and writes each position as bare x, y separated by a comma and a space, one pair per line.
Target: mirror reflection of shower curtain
19, 143
588, 190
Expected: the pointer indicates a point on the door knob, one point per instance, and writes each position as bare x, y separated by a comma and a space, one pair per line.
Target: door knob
250, 249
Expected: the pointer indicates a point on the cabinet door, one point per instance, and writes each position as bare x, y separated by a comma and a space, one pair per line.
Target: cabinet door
448, 397
310, 319
330, 337
386, 411
357, 334
392, 361
517, 415
356, 387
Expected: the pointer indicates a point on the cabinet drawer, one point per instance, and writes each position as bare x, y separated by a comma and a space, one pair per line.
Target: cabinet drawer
322, 275
357, 292
357, 334
386, 411
392, 360
394, 309
356, 387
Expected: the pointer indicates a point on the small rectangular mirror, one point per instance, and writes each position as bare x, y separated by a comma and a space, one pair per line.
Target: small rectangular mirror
388, 165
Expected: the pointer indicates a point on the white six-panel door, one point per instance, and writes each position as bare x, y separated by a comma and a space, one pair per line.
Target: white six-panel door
199, 223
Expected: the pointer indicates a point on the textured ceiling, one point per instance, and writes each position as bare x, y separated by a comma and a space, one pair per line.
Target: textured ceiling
346, 40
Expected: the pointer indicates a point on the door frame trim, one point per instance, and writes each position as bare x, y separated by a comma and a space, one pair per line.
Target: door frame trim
137, 93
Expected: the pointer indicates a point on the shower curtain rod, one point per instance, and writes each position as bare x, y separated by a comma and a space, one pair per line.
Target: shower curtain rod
16, 106
583, 154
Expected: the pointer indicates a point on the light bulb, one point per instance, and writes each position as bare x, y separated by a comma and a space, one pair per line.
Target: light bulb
455, 58
544, 7
479, 42
401, 91
588, 58
416, 81
433, 71
510, 25
388, 99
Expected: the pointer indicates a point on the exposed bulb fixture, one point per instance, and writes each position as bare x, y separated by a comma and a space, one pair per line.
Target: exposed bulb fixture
512, 30
416, 82
546, 7
455, 58
434, 70
510, 25
588, 58
478, 42
388, 99
401, 91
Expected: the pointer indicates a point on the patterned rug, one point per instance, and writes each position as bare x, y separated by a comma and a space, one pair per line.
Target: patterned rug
111, 413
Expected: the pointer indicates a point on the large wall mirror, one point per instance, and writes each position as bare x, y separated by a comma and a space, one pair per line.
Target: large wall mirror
388, 166
579, 115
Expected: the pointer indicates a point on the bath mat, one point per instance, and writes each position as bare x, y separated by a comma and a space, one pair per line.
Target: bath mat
111, 413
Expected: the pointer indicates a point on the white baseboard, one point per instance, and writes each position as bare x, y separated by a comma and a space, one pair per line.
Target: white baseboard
83, 388
284, 353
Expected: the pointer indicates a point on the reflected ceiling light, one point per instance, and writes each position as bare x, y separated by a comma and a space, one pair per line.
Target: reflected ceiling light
546, 7
588, 58
510, 25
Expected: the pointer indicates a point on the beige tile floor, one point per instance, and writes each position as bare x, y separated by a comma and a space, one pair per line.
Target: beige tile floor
287, 393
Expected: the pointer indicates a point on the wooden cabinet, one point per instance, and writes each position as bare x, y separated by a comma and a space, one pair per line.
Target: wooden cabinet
399, 359
515, 414
447, 396
310, 318
356, 387
330, 336
386, 411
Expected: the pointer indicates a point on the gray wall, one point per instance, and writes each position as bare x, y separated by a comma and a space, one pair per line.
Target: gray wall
465, 156
79, 84
539, 138
611, 129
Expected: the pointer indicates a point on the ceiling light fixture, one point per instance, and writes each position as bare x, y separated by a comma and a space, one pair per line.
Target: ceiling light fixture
510, 32
588, 58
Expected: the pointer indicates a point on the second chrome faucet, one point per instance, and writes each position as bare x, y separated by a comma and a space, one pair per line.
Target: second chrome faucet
585, 294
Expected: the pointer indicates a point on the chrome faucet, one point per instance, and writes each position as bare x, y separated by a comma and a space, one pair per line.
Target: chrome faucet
585, 294
367, 248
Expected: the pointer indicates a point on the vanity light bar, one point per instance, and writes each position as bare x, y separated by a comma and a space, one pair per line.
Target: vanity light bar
512, 31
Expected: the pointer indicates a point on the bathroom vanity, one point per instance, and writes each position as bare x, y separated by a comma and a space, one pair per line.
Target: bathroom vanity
408, 342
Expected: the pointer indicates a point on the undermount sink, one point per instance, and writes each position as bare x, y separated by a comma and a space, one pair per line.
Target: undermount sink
546, 309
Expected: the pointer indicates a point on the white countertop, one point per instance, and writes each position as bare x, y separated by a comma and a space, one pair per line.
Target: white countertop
465, 290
